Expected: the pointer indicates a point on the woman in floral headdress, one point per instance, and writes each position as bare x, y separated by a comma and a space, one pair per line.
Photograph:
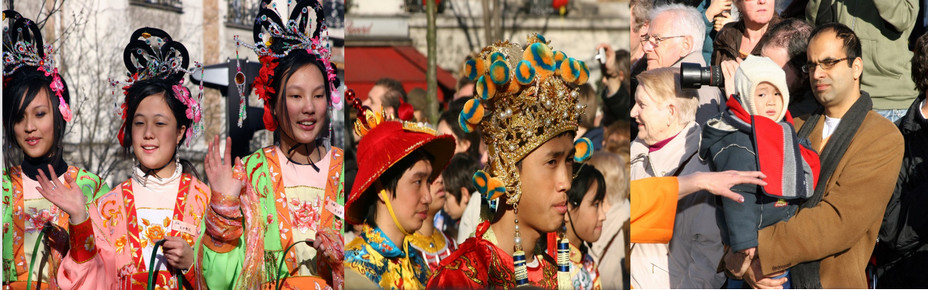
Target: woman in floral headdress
276, 216
163, 202
36, 108
527, 109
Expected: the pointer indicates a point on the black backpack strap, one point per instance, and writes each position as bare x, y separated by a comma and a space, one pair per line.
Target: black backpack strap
683, 165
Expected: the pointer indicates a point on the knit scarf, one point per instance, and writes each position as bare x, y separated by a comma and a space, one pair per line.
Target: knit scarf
789, 163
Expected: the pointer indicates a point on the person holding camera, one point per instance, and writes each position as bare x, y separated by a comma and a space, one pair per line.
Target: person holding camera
861, 153
675, 36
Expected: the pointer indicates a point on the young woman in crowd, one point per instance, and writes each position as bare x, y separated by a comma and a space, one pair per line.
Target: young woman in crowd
276, 216
163, 201
38, 212
584, 221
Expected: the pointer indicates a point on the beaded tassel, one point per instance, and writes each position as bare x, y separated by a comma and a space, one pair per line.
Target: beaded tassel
563, 262
240, 85
518, 256
518, 261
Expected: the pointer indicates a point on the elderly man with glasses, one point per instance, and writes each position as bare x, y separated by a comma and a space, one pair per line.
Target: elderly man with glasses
676, 35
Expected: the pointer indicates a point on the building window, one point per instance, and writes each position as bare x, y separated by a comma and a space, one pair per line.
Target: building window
170, 5
242, 13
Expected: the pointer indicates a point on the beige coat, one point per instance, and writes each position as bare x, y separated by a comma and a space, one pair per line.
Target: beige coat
694, 252
609, 250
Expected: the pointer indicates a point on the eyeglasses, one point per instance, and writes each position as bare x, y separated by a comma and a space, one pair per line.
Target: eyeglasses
826, 64
656, 40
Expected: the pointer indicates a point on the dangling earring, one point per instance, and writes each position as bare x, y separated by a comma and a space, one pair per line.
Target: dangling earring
518, 255
563, 260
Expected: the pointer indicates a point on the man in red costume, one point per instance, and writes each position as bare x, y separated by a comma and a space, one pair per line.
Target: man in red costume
528, 111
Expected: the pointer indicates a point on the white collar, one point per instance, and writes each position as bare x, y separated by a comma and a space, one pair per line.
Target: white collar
139, 176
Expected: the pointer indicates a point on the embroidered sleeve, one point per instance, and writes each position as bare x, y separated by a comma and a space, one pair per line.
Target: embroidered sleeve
91, 262
83, 246
224, 218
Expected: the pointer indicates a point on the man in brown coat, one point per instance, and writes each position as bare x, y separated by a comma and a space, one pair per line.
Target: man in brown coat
829, 241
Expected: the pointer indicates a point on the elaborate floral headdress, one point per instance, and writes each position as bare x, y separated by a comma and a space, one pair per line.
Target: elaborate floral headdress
23, 47
525, 97
275, 39
153, 54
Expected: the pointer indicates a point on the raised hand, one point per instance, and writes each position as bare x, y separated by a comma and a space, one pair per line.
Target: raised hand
729, 67
177, 253
716, 8
219, 168
719, 21
68, 197
611, 69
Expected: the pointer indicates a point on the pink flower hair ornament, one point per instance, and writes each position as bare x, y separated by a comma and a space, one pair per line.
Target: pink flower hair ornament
275, 37
23, 47
153, 55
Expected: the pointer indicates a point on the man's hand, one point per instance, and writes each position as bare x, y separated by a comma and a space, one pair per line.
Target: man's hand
755, 277
737, 263
729, 67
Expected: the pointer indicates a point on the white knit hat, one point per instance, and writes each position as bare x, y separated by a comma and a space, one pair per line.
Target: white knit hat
753, 71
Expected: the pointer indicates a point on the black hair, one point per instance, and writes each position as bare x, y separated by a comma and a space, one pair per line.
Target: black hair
451, 118
849, 39
390, 179
286, 67
792, 34
458, 174
920, 64
19, 90
157, 87
585, 176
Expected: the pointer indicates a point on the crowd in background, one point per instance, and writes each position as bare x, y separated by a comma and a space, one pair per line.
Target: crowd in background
457, 207
826, 98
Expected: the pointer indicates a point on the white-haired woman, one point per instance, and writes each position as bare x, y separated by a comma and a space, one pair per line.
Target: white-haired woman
666, 145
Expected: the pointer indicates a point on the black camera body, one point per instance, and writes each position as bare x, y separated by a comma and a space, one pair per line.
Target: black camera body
694, 76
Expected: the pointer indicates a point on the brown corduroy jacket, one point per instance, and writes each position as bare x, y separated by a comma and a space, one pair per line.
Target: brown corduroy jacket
842, 229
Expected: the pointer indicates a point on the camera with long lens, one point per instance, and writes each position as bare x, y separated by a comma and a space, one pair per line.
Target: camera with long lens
694, 76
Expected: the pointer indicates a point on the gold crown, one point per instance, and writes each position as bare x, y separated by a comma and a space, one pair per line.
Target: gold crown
524, 98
